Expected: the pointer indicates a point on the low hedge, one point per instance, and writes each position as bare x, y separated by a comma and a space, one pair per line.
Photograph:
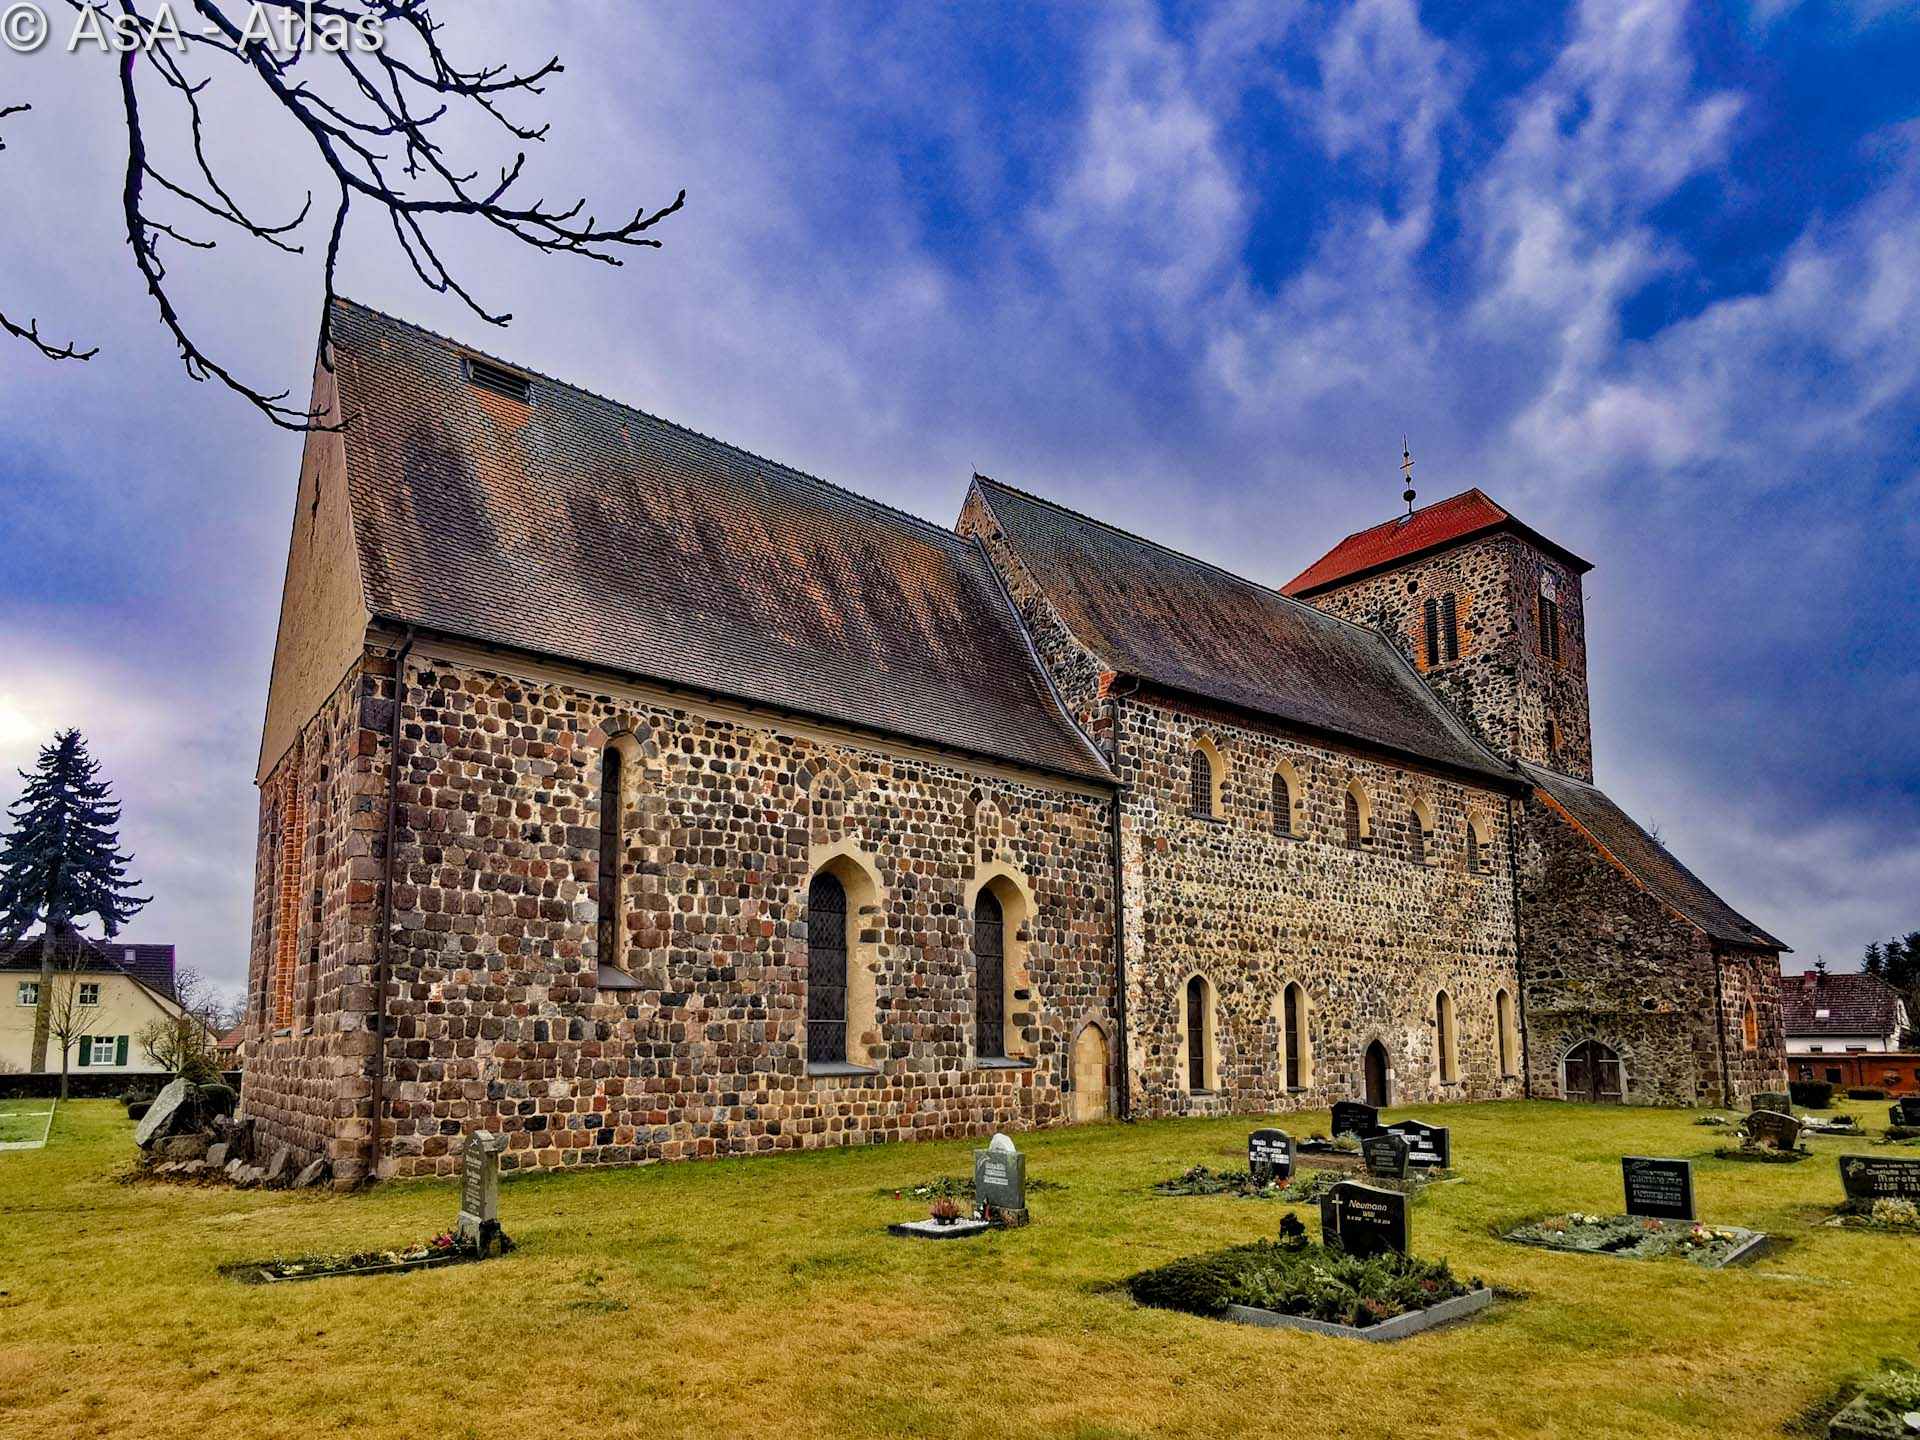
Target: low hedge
1813, 1094
1867, 1092
1298, 1279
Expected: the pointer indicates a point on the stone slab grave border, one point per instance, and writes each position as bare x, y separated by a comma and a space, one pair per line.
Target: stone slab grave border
1747, 1251
46, 1132
267, 1275
962, 1228
1397, 1328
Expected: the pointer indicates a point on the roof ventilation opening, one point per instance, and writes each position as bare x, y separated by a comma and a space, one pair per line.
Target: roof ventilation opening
500, 380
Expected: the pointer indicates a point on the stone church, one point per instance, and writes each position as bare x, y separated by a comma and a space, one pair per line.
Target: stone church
639, 798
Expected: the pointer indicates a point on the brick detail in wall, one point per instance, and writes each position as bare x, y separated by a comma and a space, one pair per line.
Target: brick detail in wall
289, 890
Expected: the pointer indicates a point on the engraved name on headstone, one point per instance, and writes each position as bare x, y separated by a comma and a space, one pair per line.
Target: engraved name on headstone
1270, 1156
1658, 1189
1363, 1220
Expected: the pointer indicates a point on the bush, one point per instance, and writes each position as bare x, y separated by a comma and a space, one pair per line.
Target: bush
1866, 1093
1813, 1094
214, 1099
138, 1109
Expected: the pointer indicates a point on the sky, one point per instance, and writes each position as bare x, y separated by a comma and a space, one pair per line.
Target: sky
1648, 274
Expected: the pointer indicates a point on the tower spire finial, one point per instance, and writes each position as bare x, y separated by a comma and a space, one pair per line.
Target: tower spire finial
1406, 473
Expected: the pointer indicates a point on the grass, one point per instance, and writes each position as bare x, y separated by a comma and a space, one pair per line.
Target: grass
25, 1122
748, 1295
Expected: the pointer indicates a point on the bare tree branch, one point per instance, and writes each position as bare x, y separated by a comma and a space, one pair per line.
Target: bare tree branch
370, 122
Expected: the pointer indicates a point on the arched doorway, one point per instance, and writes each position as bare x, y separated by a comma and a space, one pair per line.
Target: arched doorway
1089, 1099
1593, 1073
1376, 1075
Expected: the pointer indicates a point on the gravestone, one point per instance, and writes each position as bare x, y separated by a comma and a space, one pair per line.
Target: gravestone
1905, 1111
1000, 1181
1386, 1154
1770, 1100
1351, 1117
1430, 1145
1658, 1189
1270, 1156
479, 1222
1363, 1220
167, 1107
1773, 1128
1868, 1178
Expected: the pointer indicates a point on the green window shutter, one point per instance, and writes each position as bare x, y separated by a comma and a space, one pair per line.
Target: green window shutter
120, 1050
85, 1051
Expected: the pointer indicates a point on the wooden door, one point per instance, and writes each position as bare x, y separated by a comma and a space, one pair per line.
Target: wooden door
1376, 1074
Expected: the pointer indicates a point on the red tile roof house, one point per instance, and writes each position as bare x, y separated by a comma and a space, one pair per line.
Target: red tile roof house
1841, 1014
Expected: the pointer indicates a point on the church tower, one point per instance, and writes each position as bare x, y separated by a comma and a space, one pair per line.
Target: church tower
1487, 609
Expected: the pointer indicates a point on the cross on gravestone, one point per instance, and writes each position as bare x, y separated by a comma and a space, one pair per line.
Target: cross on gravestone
1658, 1189
1867, 1178
1352, 1117
479, 1221
1363, 1220
1773, 1128
1000, 1181
1270, 1156
1430, 1145
1770, 1100
1386, 1155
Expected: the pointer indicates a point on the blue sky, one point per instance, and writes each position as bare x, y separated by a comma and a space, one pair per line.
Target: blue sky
1649, 275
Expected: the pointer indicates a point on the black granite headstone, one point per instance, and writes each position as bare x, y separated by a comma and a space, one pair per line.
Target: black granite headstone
1868, 1178
1386, 1155
1771, 1127
1270, 1156
1905, 1111
1430, 1145
1363, 1220
1658, 1189
1770, 1100
1351, 1117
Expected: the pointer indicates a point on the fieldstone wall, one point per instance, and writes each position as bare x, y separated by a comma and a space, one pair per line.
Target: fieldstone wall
306, 1081
1371, 935
1503, 683
1604, 960
496, 1017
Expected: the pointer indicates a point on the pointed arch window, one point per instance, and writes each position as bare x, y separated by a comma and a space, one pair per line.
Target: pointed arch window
990, 977
1200, 786
1505, 1031
1419, 832
1199, 1007
1446, 1039
826, 970
1750, 1027
612, 836
1282, 803
1442, 616
1296, 1046
1358, 817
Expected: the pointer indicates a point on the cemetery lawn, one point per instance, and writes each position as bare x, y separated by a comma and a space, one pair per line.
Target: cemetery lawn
763, 1296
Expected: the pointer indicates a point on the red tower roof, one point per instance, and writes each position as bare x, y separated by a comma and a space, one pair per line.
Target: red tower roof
1445, 522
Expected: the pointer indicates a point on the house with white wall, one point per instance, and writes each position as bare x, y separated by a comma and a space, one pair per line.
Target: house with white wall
122, 989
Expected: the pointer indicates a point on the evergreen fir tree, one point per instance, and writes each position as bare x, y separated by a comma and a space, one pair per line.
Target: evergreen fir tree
61, 863
1874, 963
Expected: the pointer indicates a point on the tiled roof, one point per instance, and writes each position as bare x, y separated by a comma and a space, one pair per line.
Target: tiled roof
1185, 625
1843, 1004
151, 965
1445, 522
1648, 861
581, 529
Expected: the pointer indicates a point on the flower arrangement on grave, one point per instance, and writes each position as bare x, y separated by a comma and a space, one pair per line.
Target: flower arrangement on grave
1635, 1237
944, 1210
444, 1247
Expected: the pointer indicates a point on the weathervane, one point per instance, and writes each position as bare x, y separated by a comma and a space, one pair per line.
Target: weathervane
1406, 473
